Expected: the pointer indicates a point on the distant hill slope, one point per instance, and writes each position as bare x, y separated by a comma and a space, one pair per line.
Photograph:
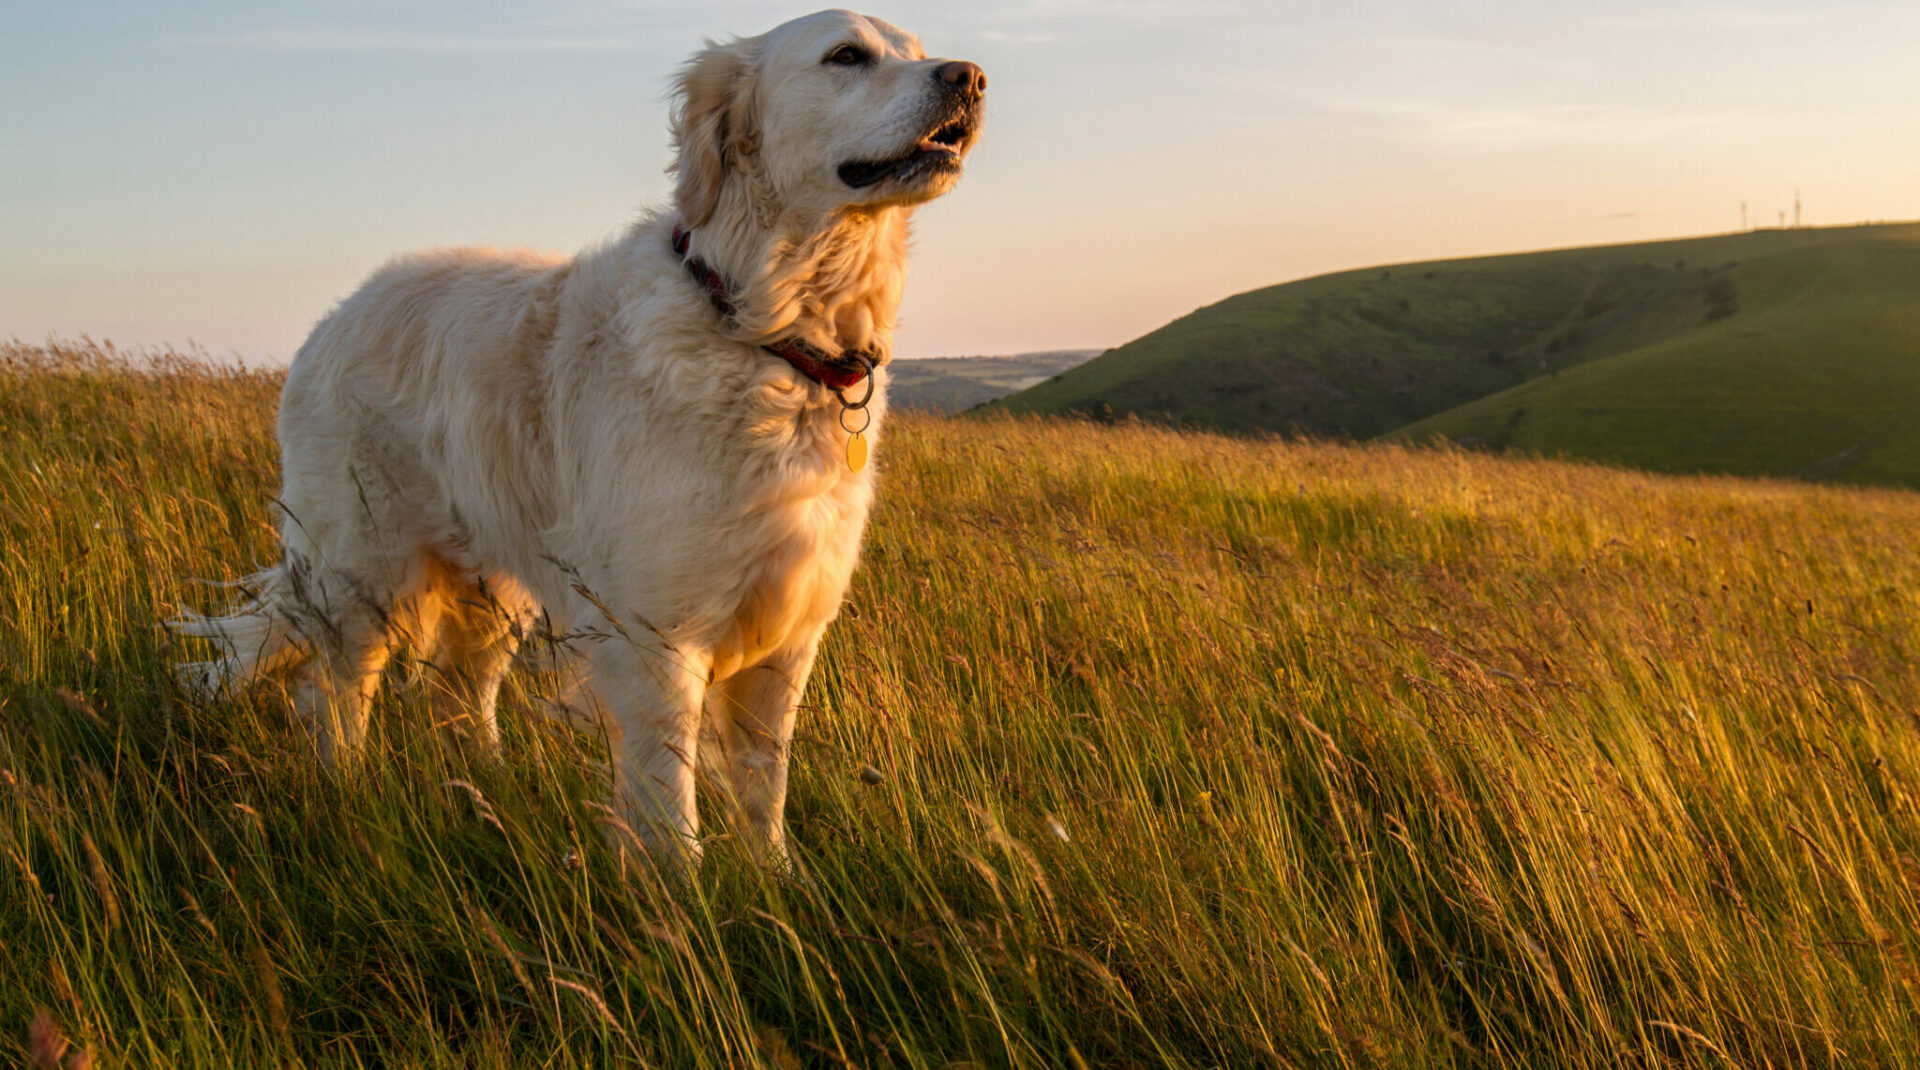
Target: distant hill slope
953, 384
1363, 353
1814, 374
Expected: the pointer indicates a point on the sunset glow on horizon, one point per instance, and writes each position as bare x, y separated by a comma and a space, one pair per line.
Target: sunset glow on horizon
184, 171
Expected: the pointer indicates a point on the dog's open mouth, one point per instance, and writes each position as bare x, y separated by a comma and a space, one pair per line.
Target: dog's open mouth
939, 150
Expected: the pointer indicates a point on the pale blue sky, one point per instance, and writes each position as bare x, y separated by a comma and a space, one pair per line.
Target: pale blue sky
175, 170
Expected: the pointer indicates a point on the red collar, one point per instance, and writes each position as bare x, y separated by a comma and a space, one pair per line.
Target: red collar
836, 372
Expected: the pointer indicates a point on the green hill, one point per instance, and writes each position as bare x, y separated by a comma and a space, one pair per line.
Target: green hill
1367, 353
1814, 374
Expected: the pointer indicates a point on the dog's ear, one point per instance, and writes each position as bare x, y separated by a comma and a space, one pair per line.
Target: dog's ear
716, 125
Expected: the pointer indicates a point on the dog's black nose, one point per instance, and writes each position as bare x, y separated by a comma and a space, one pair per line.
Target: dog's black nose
966, 79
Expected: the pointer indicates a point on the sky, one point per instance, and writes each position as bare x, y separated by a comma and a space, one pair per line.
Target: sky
176, 172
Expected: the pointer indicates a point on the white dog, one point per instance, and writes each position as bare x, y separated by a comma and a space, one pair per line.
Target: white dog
660, 442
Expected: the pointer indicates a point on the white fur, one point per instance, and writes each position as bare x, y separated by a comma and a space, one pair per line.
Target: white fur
475, 438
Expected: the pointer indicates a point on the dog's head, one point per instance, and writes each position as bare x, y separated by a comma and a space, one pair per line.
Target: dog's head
828, 111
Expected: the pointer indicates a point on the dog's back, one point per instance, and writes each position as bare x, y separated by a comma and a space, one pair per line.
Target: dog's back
429, 385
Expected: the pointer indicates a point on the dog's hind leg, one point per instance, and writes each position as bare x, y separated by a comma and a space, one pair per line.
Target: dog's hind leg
322, 627
753, 713
480, 627
353, 630
358, 592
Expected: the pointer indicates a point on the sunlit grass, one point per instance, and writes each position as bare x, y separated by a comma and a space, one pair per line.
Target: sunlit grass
1189, 750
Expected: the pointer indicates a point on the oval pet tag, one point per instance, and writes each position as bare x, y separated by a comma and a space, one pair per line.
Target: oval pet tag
856, 436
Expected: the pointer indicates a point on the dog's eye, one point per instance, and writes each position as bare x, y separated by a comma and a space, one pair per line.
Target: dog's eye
847, 56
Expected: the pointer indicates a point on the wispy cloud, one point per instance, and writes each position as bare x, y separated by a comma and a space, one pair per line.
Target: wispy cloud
1717, 19
1520, 126
1023, 38
347, 39
1138, 11
1504, 125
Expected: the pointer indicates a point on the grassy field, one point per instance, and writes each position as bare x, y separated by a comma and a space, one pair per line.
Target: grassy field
1786, 352
1131, 748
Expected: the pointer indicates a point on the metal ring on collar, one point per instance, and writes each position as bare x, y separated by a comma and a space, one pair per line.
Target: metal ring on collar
868, 396
866, 421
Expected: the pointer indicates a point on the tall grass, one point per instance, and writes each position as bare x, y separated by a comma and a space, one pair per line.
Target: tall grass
1130, 748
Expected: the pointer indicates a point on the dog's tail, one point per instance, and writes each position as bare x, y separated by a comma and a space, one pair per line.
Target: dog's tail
258, 637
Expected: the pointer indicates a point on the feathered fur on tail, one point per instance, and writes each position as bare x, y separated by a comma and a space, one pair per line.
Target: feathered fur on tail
259, 637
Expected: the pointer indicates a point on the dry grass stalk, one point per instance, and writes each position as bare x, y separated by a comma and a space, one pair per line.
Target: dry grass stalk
268, 975
102, 883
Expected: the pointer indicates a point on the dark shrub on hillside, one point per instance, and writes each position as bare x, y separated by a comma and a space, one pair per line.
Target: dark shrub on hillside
1721, 299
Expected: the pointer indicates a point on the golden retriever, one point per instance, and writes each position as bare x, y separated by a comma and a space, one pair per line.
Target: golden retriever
658, 443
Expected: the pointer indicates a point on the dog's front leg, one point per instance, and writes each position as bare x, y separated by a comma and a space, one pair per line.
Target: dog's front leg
753, 712
649, 702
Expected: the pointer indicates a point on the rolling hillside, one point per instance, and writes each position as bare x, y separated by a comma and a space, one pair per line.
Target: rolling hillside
1815, 374
1811, 327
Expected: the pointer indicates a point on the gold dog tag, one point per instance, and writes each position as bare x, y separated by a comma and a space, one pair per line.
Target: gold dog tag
856, 451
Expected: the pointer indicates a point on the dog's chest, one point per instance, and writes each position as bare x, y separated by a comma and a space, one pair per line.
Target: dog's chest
796, 573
